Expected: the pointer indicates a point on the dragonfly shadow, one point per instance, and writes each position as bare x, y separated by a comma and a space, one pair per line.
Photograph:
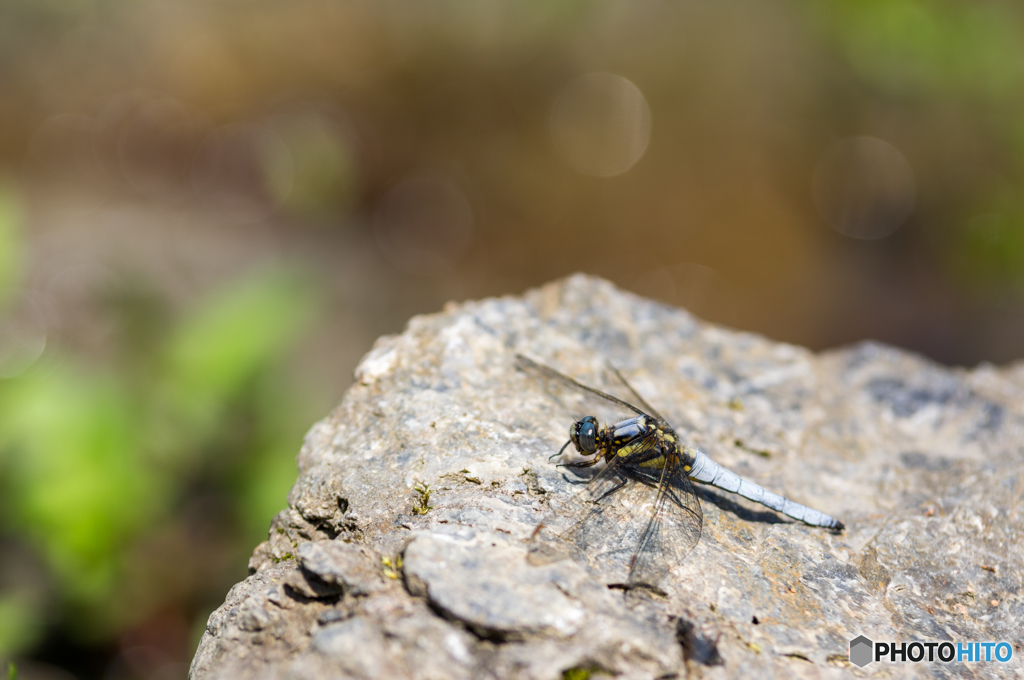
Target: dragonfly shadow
579, 476
746, 514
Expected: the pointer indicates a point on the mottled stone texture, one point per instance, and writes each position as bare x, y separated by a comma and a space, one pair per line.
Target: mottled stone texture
364, 575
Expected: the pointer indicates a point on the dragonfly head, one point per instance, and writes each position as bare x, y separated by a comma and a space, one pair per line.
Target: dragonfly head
583, 434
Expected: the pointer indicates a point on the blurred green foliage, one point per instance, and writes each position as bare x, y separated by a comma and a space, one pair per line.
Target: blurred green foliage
992, 249
911, 47
968, 58
321, 176
94, 458
106, 458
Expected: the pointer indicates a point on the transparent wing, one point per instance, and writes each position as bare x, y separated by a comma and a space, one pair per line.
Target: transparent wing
637, 522
632, 522
650, 410
588, 401
610, 528
673, 528
593, 525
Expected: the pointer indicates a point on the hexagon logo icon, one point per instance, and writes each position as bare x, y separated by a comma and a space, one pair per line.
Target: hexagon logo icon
861, 651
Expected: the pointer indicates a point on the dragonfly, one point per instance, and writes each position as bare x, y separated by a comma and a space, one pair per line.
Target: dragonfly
642, 504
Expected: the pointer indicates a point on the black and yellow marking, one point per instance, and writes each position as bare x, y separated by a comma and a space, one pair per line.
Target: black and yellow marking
649, 446
641, 452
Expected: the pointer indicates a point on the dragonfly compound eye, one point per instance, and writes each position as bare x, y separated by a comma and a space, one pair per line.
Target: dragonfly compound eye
640, 450
586, 436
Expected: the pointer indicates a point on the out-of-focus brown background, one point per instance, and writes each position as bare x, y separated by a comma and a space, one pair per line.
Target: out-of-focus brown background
209, 210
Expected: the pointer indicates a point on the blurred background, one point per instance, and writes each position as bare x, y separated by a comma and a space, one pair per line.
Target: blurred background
209, 211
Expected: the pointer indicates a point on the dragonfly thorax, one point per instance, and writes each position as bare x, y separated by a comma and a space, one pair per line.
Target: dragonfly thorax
640, 454
627, 431
590, 438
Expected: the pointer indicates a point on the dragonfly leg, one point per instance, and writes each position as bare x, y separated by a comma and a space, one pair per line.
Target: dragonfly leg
581, 463
609, 492
556, 455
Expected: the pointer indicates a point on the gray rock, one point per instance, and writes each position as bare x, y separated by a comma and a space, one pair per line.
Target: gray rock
366, 574
480, 581
345, 567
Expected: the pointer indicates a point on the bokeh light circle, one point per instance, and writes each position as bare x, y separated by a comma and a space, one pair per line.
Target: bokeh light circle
26, 318
601, 124
323, 174
864, 188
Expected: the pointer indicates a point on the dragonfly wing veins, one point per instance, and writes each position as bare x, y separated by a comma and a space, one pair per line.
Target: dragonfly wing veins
641, 510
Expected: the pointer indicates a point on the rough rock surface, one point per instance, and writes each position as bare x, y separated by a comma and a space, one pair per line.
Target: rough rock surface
366, 574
